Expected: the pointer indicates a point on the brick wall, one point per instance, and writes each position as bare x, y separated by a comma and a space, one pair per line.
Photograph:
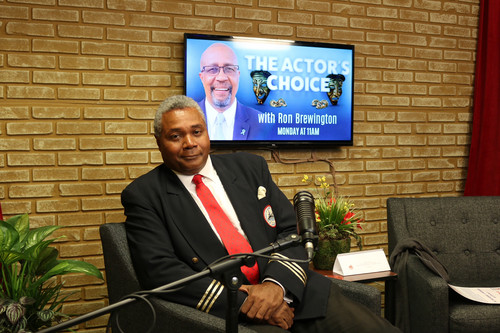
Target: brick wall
80, 80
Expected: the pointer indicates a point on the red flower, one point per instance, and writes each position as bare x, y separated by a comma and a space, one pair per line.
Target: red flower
347, 216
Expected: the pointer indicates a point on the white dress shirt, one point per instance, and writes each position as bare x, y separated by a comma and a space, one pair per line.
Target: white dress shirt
229, 116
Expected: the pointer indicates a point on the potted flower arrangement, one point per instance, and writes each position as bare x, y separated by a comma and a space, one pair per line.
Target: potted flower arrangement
30, 295
337, 221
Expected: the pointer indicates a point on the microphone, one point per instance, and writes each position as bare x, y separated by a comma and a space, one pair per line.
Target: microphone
303, 203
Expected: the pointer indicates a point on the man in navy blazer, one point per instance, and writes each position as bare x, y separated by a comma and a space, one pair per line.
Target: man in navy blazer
246, 122
220, 75
171, 235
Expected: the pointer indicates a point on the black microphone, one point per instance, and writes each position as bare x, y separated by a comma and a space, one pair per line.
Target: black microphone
303, 203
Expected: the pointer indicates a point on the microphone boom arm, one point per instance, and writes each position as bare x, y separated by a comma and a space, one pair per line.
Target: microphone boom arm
216, 270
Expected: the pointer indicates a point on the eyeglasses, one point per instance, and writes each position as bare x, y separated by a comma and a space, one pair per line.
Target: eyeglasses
214, 70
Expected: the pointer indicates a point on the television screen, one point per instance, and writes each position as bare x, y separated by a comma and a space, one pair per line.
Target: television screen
271, 93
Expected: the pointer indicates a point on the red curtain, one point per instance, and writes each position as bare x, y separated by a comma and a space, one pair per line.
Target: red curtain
483, 177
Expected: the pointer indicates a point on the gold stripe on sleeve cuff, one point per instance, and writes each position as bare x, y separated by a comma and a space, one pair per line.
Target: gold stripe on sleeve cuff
211, 294
292, 266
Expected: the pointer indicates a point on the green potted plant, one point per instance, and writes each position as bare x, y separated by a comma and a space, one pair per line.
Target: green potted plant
30, 295
337, 221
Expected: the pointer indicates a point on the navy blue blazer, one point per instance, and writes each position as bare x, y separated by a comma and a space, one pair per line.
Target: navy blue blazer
170, 238
246, 122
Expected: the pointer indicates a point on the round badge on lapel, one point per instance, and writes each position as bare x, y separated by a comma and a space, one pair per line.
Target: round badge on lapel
269, 216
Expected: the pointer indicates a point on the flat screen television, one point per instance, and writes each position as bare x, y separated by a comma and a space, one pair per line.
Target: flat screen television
288, 93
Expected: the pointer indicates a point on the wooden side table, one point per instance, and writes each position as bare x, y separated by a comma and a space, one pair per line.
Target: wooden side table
388, 277
364, 278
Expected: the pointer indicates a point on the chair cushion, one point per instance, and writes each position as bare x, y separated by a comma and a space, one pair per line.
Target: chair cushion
472, 317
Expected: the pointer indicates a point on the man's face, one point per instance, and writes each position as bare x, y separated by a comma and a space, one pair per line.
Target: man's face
220, 88
184, 142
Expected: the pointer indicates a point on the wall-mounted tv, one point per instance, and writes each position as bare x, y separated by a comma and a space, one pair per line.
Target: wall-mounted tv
271, 93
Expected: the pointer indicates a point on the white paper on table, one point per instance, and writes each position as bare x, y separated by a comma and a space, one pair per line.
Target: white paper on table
361, 262
489, 295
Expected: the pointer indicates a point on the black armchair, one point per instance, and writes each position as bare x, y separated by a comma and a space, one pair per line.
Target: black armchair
464, 235
121, 281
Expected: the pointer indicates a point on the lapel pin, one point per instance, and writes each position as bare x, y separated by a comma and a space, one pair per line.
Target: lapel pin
261, 192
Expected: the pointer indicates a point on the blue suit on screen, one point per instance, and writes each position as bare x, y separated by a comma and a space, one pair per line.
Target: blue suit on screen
246, 122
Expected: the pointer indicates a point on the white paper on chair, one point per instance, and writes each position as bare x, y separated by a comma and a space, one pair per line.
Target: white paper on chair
361, 262
489, 295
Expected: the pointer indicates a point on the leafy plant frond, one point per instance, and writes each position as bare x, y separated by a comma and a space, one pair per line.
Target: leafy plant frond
35, 237
46, 259
14, 312
71, 266
9, 236
20, 223
30, 296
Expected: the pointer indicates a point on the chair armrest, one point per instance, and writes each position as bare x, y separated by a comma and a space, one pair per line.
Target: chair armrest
361, 293
181, 318
428, 298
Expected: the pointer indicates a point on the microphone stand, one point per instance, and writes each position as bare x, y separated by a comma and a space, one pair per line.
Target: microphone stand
229, 270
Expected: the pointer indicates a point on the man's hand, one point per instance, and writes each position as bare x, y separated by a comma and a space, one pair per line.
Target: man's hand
282, 317
265, 303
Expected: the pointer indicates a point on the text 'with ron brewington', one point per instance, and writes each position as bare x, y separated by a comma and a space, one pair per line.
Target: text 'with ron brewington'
299, 119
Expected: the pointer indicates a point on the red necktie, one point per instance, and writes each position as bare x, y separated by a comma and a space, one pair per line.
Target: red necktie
232, 239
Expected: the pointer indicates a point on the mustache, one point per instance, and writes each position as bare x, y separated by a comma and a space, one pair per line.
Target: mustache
229, 88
